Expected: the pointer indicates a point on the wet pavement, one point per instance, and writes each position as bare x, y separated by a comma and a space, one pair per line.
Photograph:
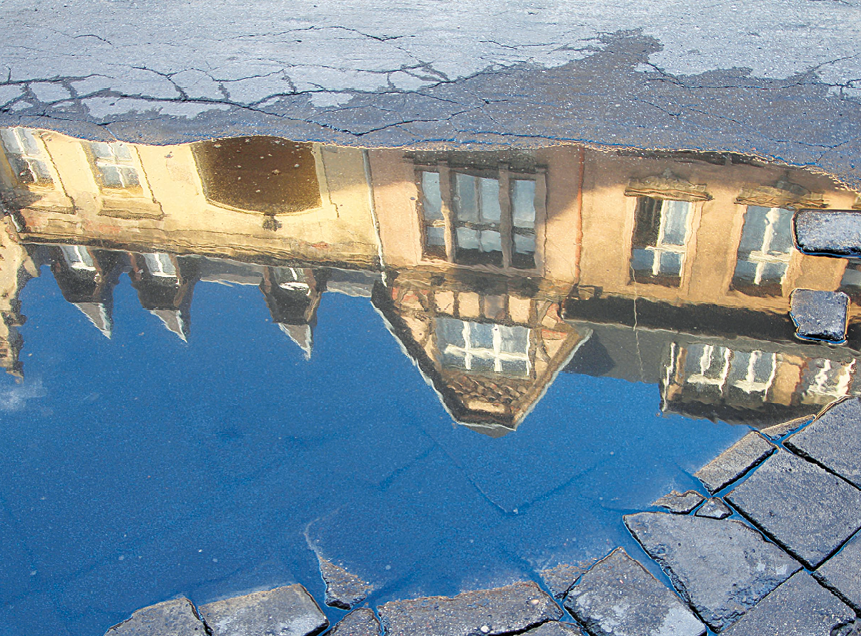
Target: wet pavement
254, 384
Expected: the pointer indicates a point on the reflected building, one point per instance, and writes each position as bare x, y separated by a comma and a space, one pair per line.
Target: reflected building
494, 270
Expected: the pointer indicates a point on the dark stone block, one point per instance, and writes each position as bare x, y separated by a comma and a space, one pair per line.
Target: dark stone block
842, 572
171, 618
502, 610
679, 503
618, 596
834, 440
807, 510
360, 622
734, 462
559, 579
343, 589
799, 607
286, 611
714, 509
820, 315
721, 568
835, 232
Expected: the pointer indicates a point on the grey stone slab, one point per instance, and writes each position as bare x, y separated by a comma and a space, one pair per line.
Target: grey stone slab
842, 572
343, 589
559, 579
714, 508
720, 567
502, 610
556, 629
171, 618
799, 607
679, 503
832, 232
820, 315
284, 611
777, 431
734, 462
807, 510
834, 440
618, 596
360, 622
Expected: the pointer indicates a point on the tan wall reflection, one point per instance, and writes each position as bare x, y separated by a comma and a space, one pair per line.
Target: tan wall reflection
500, 269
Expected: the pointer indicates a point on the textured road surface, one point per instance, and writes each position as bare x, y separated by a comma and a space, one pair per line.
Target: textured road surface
778, 78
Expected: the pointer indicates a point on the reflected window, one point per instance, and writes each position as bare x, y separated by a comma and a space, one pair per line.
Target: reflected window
492, 218
27, 156
752, 371
115, 166
764, 251
483, 348
259, 174
160, 264
826, 380
661, 228
78, 257
707, 365
432, 216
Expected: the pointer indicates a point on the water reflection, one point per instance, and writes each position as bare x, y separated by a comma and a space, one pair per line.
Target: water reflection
494, 270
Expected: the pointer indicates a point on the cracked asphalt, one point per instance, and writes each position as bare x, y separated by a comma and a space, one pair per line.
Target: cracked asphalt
780, 79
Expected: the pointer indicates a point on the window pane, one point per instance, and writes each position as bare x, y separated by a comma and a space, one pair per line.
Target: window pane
851, 277
431, 199
111, 176
490, 211
491, 241
449, 331
481, 335
781, 241
159, 265
647, 222
482, 365
675, 221
122, 152
745, 270
101, 150
435, 236
523, 203
671, 264
77, 257
130, 177
753, 233
514, 339
465, 199
524, 243
515, 368
642, 260
467, 238
773, 272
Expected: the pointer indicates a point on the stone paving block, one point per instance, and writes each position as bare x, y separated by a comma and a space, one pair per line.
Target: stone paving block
832, 232
343, 589
714, 508
842, 572
802, 507
679, 503
834, 440
554, 628
720, 567
799, 607
285, 611
502, 610
559, 579
171, 618
734, 462
360, 622
820, 315
618, 596
777, 431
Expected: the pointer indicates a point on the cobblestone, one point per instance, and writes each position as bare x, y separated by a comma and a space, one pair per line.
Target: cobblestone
820, 315
714, 509
174, 618
842, 572
679, 503
286, 611
734, 462
800, 506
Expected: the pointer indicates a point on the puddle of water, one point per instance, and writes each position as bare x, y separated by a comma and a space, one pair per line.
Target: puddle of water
441, 370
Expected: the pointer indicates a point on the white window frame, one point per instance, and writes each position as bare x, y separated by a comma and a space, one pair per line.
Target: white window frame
468, 352
761, 257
